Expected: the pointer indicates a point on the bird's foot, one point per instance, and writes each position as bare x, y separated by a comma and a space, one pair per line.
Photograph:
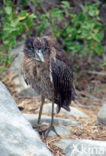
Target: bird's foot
47, 131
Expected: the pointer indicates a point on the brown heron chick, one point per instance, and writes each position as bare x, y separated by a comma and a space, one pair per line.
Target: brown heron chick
48, 70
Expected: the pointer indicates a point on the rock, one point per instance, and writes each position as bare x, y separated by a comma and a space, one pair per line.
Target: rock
29, 92
17, 56
82, 147
61, 130
19, 83
46, 120
74, 112
16, 68
17, 138
102, 114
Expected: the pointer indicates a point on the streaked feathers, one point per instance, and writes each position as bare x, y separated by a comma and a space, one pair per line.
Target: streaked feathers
52, 78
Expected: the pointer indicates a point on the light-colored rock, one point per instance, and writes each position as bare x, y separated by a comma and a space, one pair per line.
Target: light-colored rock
19, 83
61, 130
74, 112
28, 92
17, 138
102, 114
82, 147
18, 57
16, 68
46, 120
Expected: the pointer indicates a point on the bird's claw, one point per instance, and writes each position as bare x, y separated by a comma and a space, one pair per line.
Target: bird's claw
47, 131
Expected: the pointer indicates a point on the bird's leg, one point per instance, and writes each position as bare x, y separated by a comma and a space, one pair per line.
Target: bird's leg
40, 112
51, 128
41, 108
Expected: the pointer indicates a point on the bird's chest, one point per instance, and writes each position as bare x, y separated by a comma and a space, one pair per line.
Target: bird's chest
42, 79
38, 76
41, 71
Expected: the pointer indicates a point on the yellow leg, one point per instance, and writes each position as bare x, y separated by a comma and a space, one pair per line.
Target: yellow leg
51, 127
41, 108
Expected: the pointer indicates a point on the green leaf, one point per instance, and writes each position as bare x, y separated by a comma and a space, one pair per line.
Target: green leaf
8, 3
81, 17
65, 4
32, 16
98, 37
8, 10
56, 12
42, 28
23, 13
93, 12
2, 69
98, 50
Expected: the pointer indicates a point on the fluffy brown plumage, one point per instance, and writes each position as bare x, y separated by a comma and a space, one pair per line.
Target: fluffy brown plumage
48, 70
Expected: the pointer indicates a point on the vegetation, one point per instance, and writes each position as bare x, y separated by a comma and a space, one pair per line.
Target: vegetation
79, 33
13, 24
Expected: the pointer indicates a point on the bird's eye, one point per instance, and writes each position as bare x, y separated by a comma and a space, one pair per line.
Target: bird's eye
31, 48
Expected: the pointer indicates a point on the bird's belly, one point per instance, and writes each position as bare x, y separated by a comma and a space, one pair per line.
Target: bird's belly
43, 86
38, 76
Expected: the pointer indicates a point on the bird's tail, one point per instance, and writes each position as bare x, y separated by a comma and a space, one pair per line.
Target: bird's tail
66, 99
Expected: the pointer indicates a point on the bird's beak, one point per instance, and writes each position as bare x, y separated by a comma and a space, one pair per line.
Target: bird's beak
40, 56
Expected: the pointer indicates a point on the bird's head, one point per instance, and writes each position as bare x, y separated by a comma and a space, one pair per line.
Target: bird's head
37, 48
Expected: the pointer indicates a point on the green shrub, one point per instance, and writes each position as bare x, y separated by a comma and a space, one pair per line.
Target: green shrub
13, 25
81, 33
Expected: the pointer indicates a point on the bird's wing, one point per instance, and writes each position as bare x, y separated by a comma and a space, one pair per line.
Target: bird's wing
62, 80
62, 76
62, 56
